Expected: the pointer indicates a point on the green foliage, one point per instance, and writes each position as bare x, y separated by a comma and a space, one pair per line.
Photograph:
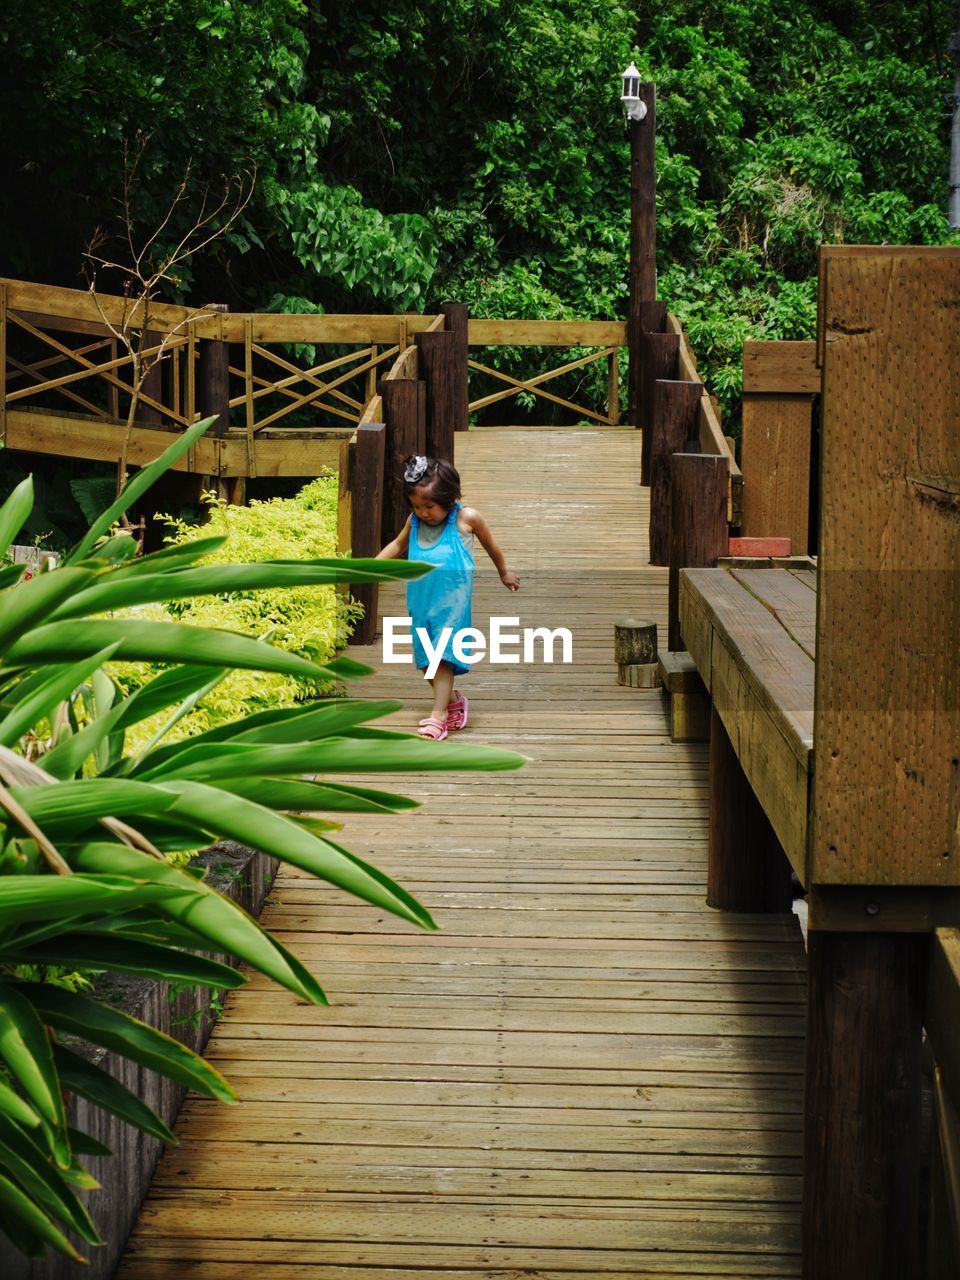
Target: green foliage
312, 621
87, 825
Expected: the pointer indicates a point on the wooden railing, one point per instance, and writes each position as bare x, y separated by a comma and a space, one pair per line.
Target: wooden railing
605, 336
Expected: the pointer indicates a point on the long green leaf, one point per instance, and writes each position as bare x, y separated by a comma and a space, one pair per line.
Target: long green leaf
170, 642
21, 1208
24, 1160
15, 512
12, 1105
98, 1023
170, 558
312, 797
58, 898
107, 1092
94, 951
240, 819
25, 1048
138, 485
73, 805
84, 1145
26, 713
165, 690
212, 579
22, 606
203, 910
393, 754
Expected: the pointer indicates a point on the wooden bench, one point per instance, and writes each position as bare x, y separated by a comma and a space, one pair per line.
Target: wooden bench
751, 634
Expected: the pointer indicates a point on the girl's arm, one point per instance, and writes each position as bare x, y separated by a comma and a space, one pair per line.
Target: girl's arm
476, 522
397, 549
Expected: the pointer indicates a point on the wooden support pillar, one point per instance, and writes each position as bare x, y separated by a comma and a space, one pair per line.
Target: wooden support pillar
862, 1105
367, 518
698, 523
439, 366
404, 416
747, 869
457, 320
643, 233
152, 384
659, 358
213, 378
672, 430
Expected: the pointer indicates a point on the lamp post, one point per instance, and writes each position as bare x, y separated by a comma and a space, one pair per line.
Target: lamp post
639, 100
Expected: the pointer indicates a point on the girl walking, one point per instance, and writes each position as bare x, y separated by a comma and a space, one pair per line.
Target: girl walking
441, 531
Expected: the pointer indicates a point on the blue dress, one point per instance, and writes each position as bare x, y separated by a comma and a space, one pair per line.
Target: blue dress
441, 598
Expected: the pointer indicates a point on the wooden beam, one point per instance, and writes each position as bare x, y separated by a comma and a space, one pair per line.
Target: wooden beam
547, 333
747, 869
72, 436
404, 367
781, 368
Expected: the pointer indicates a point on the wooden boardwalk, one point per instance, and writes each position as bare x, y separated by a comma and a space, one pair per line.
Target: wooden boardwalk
587, 1073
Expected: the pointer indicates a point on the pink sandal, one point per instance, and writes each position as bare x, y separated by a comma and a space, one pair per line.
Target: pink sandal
457, 711
433, 729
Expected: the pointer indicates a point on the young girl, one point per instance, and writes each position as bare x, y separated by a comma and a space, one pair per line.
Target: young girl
441, 531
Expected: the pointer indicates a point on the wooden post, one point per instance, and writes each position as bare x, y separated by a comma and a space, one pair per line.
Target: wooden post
643, 232
698, 523
457, 320
659, 358
367, 484
152, 384
613, 388
862, 1105
439, 366
404, 415
672, 428
213, 378
747, 869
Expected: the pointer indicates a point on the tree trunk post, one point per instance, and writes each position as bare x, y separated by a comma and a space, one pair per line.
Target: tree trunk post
861, 1153
458, 322
698, 523
367, 520
643, 233
672, 423
659, 359
635, 653
439, 366
404, 416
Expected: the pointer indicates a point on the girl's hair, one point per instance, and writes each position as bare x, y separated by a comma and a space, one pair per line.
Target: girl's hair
440, 479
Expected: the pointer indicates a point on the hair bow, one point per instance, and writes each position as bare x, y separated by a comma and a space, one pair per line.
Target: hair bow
415, 470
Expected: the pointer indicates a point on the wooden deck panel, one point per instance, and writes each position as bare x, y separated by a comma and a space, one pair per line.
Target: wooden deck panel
587, 1072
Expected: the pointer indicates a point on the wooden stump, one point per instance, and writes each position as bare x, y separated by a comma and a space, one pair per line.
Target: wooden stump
658, 356
457, 321
439, 366
404, 415
635, 652
672, 425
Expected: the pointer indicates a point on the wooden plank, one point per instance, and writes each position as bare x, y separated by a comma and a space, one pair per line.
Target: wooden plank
405, 365
942, 1016
788, 599
71, 436
886, 793
775, 458
547, 333
781, 368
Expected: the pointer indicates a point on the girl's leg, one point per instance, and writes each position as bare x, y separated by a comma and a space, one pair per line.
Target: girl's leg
442, 689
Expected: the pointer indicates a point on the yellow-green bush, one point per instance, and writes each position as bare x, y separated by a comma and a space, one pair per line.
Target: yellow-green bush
312, 621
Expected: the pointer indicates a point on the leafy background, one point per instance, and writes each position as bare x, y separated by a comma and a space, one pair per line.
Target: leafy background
474, 149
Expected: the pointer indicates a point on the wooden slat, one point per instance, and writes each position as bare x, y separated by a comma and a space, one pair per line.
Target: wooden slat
886, 811
781, 368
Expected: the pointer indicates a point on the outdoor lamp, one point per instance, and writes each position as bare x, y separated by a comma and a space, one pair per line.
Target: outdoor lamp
630, 97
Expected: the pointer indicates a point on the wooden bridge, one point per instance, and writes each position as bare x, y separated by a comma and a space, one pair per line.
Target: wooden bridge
588, 1072
591, 1072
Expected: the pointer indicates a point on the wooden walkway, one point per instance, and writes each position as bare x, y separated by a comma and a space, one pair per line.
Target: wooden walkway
587, 1073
